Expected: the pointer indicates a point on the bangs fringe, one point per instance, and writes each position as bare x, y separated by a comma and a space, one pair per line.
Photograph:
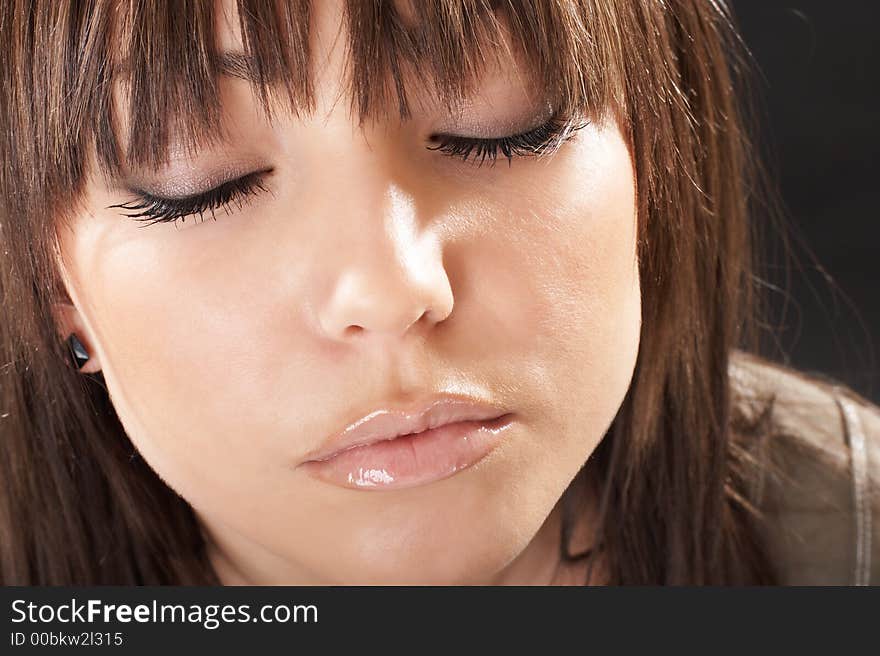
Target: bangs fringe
164, 55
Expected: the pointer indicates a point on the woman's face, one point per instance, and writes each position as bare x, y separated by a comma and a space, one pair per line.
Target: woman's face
370, 270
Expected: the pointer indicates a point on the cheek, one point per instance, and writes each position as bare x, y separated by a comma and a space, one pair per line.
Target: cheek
189, 350
576, 276
576, 281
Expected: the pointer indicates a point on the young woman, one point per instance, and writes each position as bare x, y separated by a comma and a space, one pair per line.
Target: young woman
374, 292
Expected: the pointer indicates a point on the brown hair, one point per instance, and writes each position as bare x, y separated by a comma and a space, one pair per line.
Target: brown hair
77, 503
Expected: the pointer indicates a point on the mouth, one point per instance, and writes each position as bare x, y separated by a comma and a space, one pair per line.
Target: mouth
408, 459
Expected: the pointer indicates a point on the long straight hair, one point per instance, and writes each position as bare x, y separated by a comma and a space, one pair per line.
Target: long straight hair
78, 505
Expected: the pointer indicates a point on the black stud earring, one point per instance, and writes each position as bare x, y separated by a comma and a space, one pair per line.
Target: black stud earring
78, 354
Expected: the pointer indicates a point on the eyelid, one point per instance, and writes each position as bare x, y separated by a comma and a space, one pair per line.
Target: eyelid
188, 198
148, 206
541, 140
535, 124
182, 187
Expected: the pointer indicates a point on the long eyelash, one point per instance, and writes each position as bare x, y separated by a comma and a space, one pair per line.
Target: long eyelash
542, 140
150, 209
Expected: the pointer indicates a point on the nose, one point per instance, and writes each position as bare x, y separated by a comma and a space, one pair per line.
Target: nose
389, 277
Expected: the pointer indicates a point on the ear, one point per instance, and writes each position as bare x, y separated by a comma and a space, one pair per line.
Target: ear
69, 320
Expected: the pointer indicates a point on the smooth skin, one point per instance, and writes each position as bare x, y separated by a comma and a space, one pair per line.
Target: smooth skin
372, 269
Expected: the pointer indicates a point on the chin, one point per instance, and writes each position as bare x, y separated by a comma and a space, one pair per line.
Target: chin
451, 561
463, 537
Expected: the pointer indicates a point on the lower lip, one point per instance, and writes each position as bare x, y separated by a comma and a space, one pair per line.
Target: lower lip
414, 459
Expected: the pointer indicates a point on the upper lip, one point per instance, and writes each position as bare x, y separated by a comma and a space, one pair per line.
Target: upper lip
404, 419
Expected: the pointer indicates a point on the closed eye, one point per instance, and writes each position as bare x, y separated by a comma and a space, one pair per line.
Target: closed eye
542, 140
151, 208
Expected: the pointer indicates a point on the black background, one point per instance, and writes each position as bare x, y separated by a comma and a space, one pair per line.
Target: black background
817, 89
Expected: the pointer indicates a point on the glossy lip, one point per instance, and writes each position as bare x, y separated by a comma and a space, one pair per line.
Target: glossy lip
388, 424
413, 459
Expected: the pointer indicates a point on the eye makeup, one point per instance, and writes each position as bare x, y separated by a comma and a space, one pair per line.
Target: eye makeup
541, 140
149, 207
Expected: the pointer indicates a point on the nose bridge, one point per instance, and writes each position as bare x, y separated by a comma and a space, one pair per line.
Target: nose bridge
387, 273
376, 271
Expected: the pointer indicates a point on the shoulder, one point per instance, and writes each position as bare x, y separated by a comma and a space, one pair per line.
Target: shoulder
815, 485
